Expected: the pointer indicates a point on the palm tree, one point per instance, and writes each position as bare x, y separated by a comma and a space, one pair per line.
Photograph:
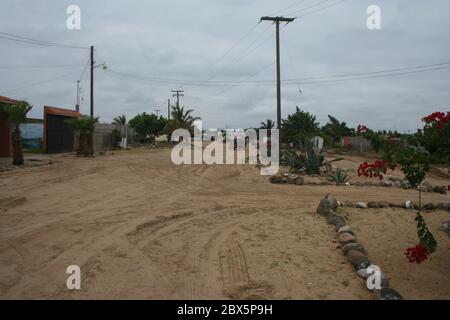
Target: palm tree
299, 126
120, 120
181, 119
268, 125
16, 114
84, 126
336, 129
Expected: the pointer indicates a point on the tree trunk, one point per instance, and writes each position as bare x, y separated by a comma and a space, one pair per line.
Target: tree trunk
17, 147
85, 146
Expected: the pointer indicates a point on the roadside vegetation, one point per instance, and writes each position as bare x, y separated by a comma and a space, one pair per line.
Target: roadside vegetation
16, 114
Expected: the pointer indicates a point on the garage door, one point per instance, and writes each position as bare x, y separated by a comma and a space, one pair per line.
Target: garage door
59, 134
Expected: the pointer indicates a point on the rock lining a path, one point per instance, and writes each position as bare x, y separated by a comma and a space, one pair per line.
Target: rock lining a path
354, 251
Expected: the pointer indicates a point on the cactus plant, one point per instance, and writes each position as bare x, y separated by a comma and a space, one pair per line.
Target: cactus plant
339, 176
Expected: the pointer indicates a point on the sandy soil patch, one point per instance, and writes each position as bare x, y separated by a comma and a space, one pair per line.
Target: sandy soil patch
141, 227
386, 233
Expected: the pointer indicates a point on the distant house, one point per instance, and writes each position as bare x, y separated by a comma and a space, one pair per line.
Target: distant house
5, 132
358, 143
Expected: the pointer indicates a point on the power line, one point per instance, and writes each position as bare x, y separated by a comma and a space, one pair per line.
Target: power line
40, 82
17, 38
248, 48
84, 69
297, 81
307, 8
178, 94
242, 55
321, 9
371, 72
288, 7
246, 79
42, 66
253, 49
235, 44
291, 60
377, 76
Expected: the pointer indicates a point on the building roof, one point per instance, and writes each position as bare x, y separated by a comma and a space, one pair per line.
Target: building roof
7, 100
61, 111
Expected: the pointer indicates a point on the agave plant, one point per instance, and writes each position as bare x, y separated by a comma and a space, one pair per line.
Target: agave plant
339, 176
307, 157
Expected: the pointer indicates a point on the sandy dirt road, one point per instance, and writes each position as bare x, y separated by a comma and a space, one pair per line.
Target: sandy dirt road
141, 227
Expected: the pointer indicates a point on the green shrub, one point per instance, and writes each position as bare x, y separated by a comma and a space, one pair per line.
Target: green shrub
339, 176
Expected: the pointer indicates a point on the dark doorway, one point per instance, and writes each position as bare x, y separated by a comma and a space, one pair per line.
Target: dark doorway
60, 135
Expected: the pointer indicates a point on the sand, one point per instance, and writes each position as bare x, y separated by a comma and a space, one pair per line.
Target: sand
140, 227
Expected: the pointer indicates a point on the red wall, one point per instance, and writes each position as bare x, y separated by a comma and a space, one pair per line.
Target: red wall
5, 140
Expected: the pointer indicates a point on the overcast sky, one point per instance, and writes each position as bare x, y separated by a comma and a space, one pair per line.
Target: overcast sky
187, 40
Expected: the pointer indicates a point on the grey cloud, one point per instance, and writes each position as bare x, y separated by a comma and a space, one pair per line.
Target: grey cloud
183, 40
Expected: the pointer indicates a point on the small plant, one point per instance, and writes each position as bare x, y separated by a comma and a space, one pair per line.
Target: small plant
306, 157
339, 176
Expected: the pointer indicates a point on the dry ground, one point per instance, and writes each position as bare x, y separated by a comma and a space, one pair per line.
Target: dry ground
140, 227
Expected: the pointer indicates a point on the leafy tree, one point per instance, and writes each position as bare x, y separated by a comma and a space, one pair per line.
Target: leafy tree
147, 125
299, 126
181, 119
435, 137
336, 129
84, 127
16, 114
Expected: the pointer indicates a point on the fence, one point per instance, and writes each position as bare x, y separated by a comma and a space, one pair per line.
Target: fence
358, 143
103, 136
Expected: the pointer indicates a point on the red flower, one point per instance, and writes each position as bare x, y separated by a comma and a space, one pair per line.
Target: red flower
417, 254
376, 169
440, 119
362, 129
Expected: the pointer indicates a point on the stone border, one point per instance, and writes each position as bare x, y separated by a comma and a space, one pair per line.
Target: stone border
390, 182
409, 205
354, 252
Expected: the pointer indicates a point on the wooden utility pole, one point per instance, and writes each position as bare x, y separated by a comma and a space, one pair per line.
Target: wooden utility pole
178, 94
277, 21
92, 81
168, 109
77, 107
